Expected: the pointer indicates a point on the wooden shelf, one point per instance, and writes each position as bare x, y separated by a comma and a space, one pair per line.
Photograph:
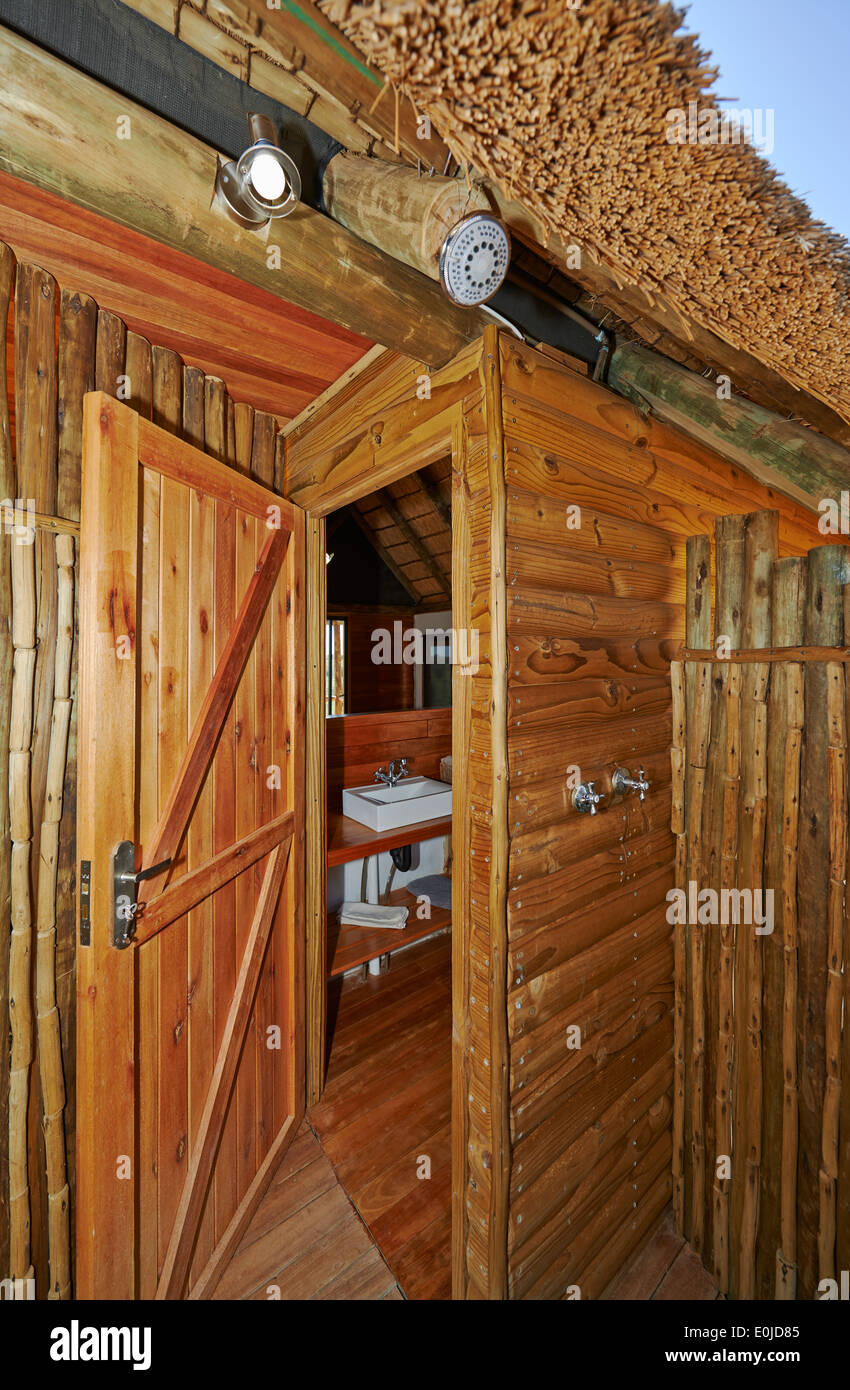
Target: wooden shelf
349, 840
351, 946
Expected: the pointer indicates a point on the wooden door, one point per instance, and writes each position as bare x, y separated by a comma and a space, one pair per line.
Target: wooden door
190, 1061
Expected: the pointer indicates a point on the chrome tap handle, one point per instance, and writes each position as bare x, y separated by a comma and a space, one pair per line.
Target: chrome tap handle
586, 798
622, 781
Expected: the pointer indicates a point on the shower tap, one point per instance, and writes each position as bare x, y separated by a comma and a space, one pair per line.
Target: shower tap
622, 781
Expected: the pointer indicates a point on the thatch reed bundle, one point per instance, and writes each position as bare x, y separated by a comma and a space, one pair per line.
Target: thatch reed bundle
566, 110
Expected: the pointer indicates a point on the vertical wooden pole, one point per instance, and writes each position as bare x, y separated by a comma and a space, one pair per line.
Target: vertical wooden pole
106, 1145
7, 493
788, 585
725, 981
49, 1035
77, 347
678, 826
729, 565
20, 965
316, 856
786, 1256
842, 1219
497, 1242
828, 571
837, 788
760, 552
698, 717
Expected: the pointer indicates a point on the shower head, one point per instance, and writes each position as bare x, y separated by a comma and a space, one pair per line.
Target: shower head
474, 259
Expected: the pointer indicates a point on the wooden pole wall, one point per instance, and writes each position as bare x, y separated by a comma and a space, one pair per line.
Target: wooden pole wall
761, 1104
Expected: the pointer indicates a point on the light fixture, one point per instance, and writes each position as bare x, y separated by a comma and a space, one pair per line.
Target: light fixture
263, 182
474, 259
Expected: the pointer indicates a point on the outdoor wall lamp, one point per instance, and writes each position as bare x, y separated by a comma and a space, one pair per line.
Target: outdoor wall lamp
263, 182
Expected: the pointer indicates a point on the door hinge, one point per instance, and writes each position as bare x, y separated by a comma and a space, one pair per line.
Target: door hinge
125, 881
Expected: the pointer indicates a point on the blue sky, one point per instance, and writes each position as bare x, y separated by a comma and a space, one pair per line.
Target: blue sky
793, 57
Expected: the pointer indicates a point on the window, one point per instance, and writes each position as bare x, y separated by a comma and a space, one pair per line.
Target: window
335, 666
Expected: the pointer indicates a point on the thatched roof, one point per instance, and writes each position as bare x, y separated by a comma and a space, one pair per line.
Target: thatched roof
567, 111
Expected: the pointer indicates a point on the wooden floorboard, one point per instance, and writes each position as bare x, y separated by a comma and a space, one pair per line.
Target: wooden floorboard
664, 1267
347, 1215
305, 1240
385, 1114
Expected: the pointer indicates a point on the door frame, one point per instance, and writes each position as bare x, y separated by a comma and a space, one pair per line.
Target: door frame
380, 427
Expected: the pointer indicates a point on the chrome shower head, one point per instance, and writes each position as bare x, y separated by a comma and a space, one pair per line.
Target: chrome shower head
474, 259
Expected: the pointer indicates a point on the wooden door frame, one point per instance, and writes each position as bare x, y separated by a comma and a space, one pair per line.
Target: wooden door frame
376, 429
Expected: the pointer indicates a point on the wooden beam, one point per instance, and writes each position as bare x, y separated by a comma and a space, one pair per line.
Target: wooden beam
175, 1268
380, 427
804, 465
180, 897
297, 33
383, 553
160, 182
434, 564
435, 497
392, 207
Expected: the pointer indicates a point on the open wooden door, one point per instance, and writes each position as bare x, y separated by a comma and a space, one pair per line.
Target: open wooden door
190, 1055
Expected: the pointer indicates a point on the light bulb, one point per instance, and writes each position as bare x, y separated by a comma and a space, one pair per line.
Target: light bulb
267, 177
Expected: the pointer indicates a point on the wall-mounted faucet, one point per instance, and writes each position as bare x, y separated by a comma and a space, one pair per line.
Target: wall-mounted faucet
622, 781
585, 798
393, 774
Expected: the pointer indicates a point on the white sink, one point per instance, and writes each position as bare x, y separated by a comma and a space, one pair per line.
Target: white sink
386, 808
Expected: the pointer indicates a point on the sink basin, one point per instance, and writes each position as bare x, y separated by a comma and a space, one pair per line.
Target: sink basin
388, 808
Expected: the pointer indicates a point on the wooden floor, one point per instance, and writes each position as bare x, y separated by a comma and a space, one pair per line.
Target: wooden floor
385, 1113
664, 1268
306, 1241
346, 1216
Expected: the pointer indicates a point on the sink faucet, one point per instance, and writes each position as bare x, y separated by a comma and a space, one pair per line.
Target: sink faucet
393, 774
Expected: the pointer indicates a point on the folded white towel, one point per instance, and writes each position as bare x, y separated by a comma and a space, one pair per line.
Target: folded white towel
372, 915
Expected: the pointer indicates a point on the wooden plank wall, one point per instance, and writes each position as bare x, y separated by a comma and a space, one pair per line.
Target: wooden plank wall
761, 1179
64, 345
359, 743
594, 616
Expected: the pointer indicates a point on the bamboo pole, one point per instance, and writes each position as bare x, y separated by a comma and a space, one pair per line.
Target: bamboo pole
49, 1033
786, 1256
837, 784
678, 826
20, 815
